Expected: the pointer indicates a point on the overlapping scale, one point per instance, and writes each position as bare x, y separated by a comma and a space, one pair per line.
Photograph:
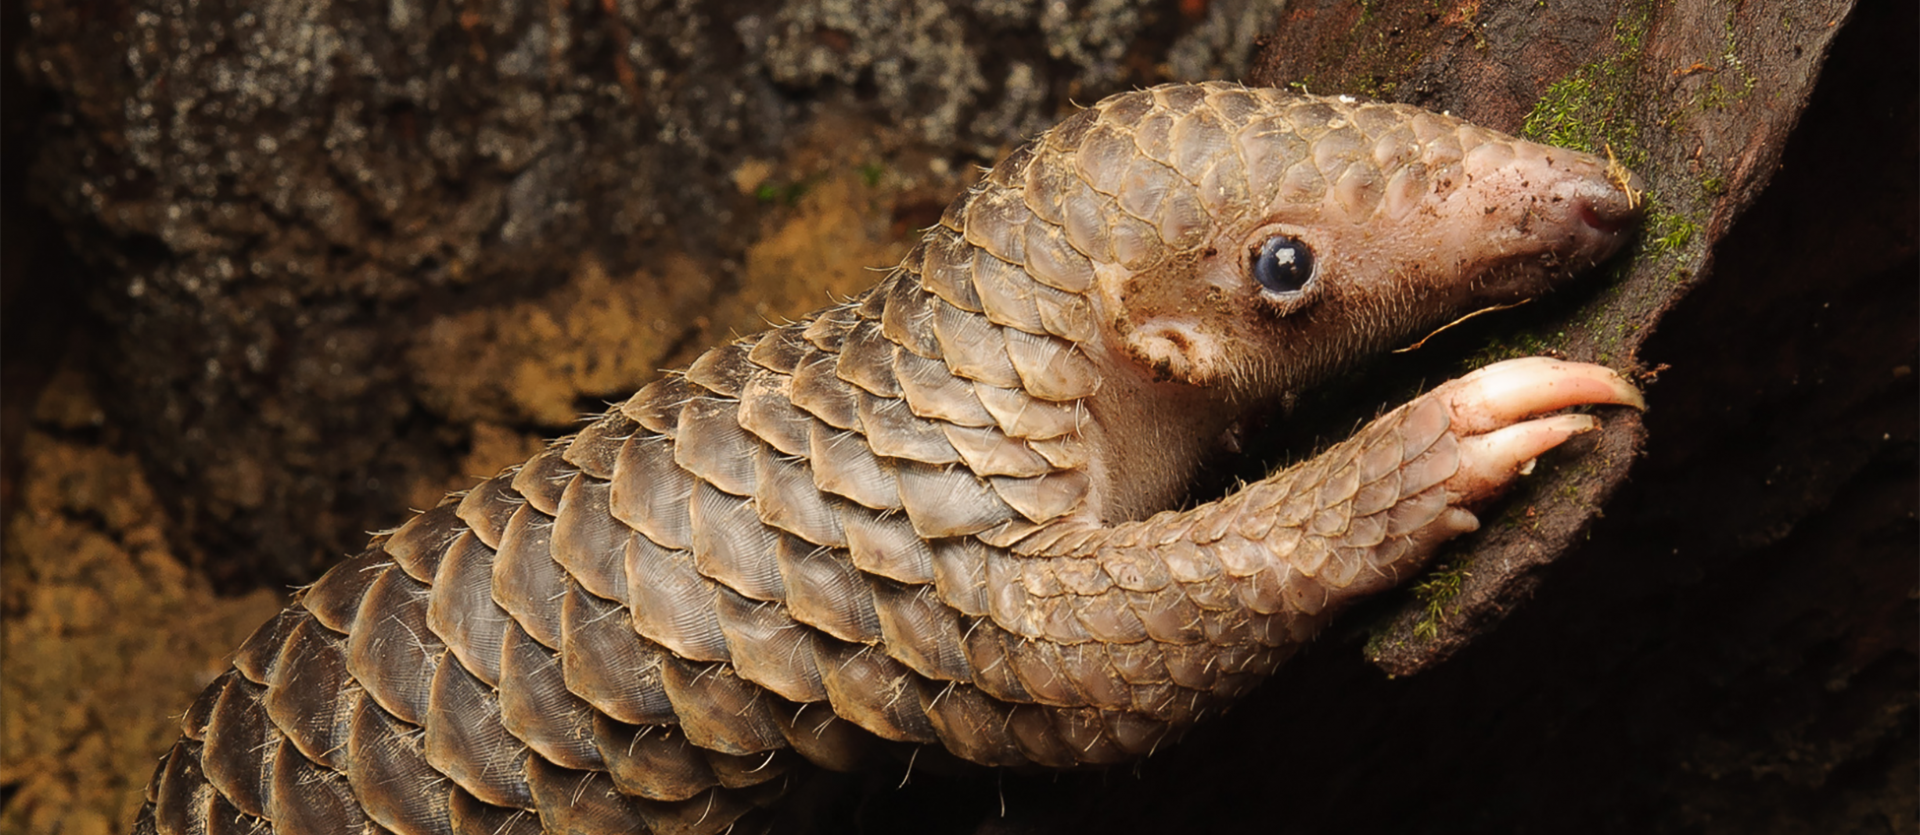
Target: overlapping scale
310, 694
308, 799
335, 598
541, 480
721, 711
672, 603
771, 649
488, 506
587, 541
870, 689
466, 741
538, 709
607, 663
788, 500
461, 609
650, 491
391, 777
237, 729
526, 579
420, 543
827, 592
392, 651
596, 450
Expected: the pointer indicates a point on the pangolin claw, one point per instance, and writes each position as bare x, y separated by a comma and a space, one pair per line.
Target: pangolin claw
1489, 407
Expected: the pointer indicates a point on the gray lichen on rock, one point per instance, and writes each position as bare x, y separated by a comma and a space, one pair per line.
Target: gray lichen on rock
928, 76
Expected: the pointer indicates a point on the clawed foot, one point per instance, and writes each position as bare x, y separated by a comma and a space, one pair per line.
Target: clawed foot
1390, 497
1489, 410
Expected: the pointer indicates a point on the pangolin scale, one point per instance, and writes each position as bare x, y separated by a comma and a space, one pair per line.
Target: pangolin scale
937, 514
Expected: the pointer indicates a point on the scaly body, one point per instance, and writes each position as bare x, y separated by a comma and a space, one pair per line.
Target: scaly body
937, 515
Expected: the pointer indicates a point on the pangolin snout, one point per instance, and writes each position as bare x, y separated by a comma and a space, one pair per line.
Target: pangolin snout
1607, 207
1558, 210
1596, 202
1617, 208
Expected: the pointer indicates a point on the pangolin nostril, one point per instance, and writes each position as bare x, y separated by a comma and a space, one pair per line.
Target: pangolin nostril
1616, 208
1593, 219
1617, 212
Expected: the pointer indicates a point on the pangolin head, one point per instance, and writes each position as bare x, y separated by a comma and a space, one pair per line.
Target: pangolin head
1253, 240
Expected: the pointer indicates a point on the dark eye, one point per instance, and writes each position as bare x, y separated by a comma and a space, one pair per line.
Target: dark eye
1283, 265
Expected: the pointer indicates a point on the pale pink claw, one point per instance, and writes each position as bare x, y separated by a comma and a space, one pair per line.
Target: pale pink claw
1504, 392
1489, 462
1490, 407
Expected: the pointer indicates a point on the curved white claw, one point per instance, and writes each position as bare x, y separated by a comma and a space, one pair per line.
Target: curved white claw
1504, 392
1490, 405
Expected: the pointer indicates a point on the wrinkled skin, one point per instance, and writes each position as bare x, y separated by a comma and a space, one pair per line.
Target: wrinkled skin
936, 518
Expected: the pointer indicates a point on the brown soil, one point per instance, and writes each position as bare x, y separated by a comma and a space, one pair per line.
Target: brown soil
107, 636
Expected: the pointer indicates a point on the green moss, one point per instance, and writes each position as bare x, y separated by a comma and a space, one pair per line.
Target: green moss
1379, 640
1572, 477
1591, 108
789, 194
1718, 95
1377, 54
1436, 593
1720, 92
786, 194
1667, 231
1381, 46
1367, 10
871, 173
1729, 80
1522, 344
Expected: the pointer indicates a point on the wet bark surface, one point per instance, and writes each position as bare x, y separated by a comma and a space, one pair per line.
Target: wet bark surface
1705, 622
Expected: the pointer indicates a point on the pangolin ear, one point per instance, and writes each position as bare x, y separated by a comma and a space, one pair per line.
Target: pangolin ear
1174, 350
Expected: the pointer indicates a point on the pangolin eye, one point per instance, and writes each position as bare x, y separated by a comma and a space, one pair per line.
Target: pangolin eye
1283, 265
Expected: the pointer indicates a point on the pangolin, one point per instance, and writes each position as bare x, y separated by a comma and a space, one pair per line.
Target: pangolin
944, 513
